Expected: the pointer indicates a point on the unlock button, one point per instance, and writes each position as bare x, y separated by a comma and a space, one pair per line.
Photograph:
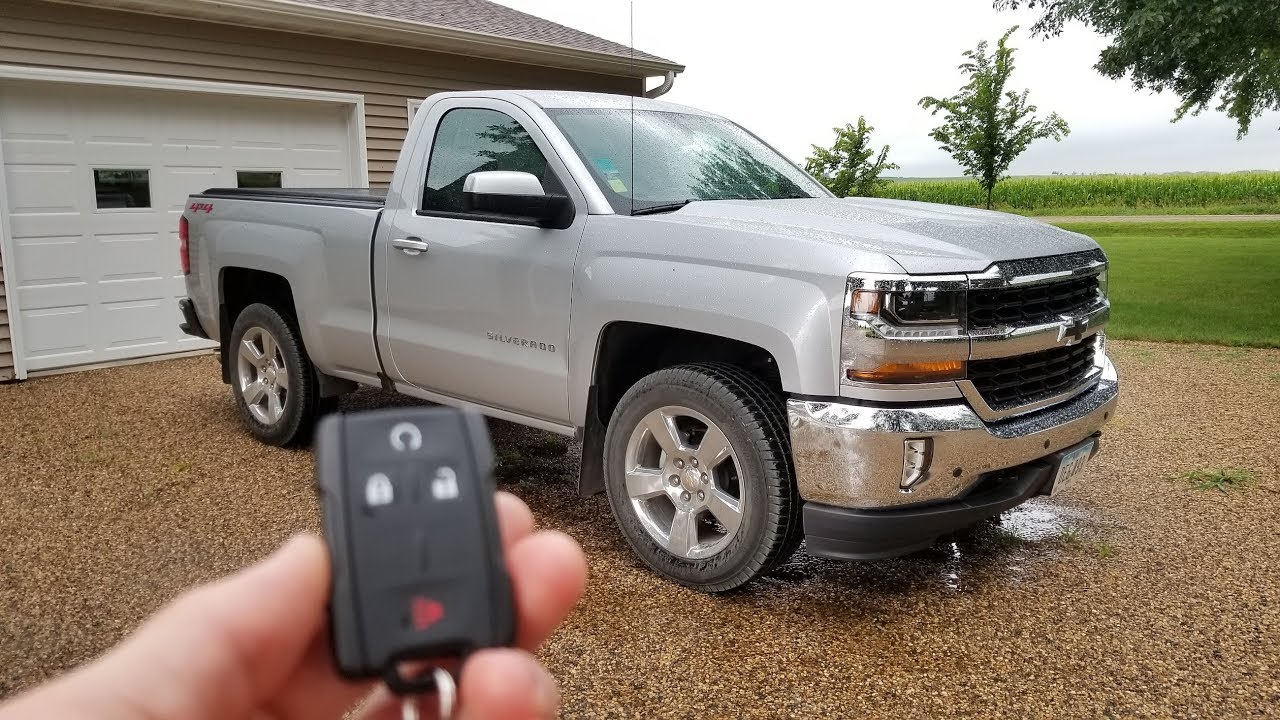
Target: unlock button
378, 490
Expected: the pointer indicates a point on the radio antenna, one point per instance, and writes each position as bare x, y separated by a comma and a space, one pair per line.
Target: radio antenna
631, 21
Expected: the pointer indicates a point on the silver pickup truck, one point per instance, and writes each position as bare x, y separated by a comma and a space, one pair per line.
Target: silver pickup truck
749, 361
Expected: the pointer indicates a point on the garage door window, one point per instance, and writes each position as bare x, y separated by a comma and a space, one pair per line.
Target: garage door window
116, 188
258, 179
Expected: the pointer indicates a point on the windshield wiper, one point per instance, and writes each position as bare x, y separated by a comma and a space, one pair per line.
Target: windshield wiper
665, 207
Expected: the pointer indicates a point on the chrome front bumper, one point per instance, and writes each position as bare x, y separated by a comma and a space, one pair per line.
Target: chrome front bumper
852, 455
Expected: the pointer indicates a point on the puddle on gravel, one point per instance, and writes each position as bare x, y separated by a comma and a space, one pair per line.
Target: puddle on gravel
1040, 519
953, 568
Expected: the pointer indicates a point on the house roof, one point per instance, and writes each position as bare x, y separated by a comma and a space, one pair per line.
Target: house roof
482, 16
478, 28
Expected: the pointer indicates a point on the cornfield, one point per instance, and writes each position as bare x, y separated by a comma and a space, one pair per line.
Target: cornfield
1128, 191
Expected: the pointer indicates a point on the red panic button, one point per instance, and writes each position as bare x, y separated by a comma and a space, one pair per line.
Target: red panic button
425, 612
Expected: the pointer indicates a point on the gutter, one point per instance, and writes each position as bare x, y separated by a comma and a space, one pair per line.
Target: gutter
662, 89
300, 17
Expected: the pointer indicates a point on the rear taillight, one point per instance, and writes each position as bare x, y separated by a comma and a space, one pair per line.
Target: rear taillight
183, 249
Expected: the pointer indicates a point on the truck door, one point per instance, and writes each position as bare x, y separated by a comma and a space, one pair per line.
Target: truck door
481, 311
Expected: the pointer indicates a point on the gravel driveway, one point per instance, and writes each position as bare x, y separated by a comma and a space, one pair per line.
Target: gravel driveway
1133, 595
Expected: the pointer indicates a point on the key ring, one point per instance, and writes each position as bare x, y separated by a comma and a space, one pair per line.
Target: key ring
446, 693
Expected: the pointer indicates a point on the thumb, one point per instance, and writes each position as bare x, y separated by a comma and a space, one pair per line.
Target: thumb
216, 652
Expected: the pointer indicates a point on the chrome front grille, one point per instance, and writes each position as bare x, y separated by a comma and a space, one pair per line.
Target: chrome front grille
1022, 380
1030, 336
1031, 304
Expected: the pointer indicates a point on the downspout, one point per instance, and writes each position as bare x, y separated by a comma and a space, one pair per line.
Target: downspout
662, 89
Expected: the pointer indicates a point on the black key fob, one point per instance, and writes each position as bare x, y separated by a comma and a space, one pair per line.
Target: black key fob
418, 568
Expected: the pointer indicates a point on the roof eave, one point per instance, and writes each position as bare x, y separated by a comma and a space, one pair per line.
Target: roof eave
299, 17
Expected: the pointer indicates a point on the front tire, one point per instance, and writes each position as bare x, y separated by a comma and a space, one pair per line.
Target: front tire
699, 476
272, 379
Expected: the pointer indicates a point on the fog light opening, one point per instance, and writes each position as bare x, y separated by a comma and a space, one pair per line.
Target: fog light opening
916, 457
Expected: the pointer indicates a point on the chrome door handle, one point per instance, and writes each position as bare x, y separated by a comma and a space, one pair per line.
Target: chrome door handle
410, 245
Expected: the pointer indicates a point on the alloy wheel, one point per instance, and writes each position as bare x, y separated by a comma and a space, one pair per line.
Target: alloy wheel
684, 482
262, 375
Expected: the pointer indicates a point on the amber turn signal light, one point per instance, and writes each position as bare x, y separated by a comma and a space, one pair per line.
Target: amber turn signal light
865, 302
911, 372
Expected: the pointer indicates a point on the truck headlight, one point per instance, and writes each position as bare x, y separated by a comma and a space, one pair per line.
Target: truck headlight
904, 335
916, 307
1104, 286
926, 307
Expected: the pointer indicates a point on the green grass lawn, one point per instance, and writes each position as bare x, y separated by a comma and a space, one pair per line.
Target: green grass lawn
1211, 282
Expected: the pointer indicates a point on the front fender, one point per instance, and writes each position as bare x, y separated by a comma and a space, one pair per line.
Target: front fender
791, 317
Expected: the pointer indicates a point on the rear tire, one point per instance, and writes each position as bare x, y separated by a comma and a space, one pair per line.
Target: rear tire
713, 531
272, 380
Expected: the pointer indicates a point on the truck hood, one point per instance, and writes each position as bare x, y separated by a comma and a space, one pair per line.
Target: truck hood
921, 237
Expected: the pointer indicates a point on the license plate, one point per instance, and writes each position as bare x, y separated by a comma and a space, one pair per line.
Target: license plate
1071, 467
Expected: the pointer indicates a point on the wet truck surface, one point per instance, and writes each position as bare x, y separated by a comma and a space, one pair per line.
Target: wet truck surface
749, 362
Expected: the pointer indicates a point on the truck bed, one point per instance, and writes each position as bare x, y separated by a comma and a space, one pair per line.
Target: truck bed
344, 197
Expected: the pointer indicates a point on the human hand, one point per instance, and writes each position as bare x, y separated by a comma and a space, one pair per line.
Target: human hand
256, 644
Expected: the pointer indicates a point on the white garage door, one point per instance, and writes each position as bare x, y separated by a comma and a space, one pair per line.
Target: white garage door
96, 178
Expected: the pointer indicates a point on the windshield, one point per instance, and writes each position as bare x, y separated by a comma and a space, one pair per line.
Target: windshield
679, 157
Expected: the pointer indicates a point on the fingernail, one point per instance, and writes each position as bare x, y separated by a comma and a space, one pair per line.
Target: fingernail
292, 541
548, 693
290, 546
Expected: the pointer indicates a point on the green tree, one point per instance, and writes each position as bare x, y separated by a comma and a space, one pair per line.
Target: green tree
847, 168
1199, 49
985, 126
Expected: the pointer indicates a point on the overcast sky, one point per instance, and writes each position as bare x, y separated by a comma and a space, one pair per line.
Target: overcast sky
792, 70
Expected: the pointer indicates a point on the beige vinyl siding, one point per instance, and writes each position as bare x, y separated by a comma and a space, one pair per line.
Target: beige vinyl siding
65, 36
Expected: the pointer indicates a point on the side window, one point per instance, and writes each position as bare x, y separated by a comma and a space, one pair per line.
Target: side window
474, 140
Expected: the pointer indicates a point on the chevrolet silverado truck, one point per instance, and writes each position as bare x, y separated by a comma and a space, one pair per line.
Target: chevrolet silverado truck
749, 361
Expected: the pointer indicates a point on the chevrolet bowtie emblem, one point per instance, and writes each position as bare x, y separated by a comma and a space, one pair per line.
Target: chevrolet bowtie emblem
1072, 330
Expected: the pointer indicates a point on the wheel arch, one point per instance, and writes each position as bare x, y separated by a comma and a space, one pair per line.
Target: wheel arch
240, 287
620, 360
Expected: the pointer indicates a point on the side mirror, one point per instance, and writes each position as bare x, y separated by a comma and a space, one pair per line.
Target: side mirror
515, 195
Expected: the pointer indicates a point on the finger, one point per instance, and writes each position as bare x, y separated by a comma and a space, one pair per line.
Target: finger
548, 575
496, 684
506, 683
315, 690
229, 645
515, 520
216, 652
